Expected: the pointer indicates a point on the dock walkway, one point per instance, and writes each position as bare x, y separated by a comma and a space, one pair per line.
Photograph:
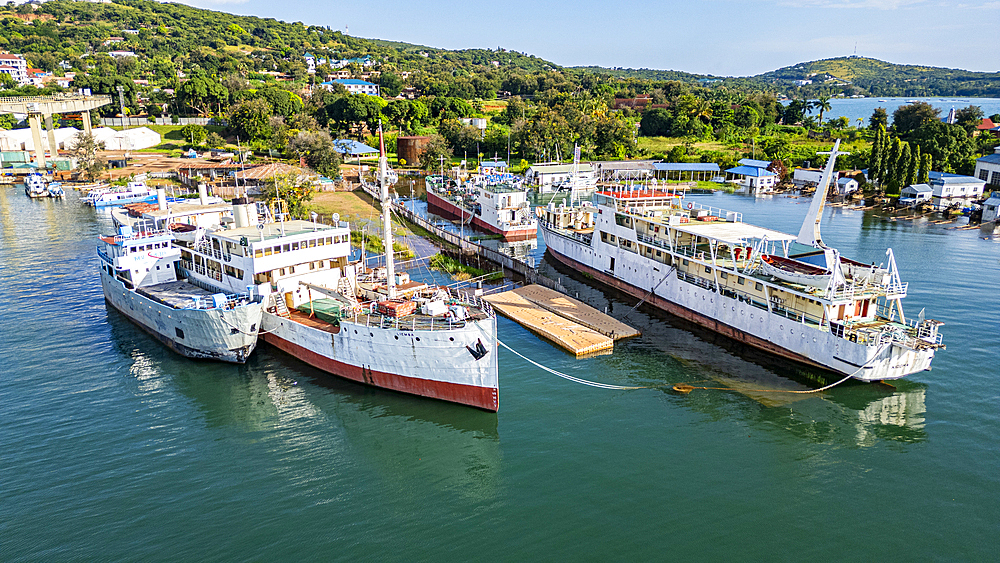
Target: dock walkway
572, 325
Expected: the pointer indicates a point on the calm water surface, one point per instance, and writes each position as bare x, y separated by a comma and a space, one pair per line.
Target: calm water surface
114, 448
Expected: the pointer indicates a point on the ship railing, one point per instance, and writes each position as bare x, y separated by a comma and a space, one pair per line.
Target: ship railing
471, 299
655, 242
724, 214
105, 257
232, 301
852, 291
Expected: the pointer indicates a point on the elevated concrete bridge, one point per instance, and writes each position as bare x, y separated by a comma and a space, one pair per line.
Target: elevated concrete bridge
44, 107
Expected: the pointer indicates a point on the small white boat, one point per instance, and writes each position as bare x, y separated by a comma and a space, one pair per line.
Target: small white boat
134, 192
793, 271
56, 190
35, 186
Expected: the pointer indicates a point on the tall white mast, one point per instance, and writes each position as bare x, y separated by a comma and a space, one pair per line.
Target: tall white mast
390, 266
809, 233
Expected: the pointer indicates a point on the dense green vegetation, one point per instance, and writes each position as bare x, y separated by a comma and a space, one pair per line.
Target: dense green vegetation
250, 75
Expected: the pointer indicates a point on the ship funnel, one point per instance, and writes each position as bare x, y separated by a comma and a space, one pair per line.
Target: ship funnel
161, 198
202, 194
244, 213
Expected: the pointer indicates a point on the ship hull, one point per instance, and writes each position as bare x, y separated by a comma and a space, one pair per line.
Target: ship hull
440, 206
436, 364
735, 318
207, 333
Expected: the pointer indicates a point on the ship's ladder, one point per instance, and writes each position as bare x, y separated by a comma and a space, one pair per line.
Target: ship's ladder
345, 288
280, 308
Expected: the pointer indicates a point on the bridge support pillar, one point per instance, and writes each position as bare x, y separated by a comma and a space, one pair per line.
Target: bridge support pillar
86, 122
35, 122
53, 147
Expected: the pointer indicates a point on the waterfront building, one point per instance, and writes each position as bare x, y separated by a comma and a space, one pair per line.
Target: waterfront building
954, 190
988, 168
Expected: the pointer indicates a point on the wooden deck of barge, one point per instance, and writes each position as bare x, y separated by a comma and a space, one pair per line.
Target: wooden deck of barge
570, 324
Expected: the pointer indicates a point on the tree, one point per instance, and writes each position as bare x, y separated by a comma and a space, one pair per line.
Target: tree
913, 167
84, 150
7, 121
7, 82
202, 93
295, 189
795, 111
249, 119
655, 123
194, 133
390, 84
969, 118
215, 140
436, 149
908, 118
356, 110
822, 103
892, 168
316, 148
923, 175
875, 161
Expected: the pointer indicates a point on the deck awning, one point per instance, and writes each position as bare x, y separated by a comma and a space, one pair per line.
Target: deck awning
732, 233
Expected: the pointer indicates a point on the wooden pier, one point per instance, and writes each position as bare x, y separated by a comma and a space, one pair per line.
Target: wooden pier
572, 325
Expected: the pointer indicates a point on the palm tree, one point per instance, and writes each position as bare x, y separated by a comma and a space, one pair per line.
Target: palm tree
823, 105
702, 110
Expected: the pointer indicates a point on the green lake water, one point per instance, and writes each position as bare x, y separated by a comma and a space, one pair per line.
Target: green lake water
113, 448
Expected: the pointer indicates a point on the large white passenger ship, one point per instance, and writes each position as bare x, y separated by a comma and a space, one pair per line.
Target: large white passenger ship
139, 275
789, 295
494, 201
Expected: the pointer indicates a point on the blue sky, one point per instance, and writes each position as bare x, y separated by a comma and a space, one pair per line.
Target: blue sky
723, 37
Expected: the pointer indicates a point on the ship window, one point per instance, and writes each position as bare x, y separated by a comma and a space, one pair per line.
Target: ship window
295, 246
286, 248
740, 281
658, 253
759, 286
724, 275
268, 251
281, 272
312, 243
707, 269
179, 332
258, 253
329, 240
685, 262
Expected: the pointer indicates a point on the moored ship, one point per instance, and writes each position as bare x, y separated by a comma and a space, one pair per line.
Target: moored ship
789, 295
139, 275
494, 201
35, 186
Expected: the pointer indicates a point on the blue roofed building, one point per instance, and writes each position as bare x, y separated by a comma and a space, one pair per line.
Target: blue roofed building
754, 163
988, 168
954, 190
354, 86
350, 147
692, 170
753, 179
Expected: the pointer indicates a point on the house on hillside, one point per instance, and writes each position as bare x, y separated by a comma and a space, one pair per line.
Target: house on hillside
988, 168
807, 176
354, 86
14, 65
954, 190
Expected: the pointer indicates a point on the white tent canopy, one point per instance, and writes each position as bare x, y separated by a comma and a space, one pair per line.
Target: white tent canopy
132, 139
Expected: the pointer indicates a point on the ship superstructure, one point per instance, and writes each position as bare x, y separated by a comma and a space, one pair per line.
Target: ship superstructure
789, 295
493, 200
370, 325
141, 278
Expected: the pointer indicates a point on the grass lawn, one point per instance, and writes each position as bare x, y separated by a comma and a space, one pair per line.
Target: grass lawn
664, 144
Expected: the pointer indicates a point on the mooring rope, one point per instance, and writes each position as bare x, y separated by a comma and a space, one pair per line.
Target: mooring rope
643, 300
684, 387
575, 379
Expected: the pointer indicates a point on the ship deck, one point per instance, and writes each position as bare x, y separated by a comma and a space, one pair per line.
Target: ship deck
176, 294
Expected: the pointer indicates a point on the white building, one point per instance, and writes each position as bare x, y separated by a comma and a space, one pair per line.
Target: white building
807, 175
915, 194
846, 186
988, 168
354, 86
753, 179
954, 189
991, 208
15, 66
547, 177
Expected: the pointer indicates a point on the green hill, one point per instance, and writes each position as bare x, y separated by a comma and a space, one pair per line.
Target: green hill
860, 75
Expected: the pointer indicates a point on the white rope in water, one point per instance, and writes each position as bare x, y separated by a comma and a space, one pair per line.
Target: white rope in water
570, 377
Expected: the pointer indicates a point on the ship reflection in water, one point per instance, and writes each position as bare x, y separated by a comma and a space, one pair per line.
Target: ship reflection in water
284, 414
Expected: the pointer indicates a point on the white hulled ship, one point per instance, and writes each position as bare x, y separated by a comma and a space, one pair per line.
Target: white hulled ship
494, 201
139, 273
35, 186
789, 295
133, 192
372, 326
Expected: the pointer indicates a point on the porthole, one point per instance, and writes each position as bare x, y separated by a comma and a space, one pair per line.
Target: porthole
372, 334
451, 338
418, 339
781, 327
355, 331
396, 336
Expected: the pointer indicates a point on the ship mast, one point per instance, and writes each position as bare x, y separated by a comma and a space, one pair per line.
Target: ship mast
809, 233
390, 266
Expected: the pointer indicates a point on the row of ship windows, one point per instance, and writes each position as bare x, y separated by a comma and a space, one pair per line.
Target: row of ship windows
311, 243
301, 268
145, 247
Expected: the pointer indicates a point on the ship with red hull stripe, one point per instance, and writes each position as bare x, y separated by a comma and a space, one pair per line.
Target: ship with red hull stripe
792, 296
495, 202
